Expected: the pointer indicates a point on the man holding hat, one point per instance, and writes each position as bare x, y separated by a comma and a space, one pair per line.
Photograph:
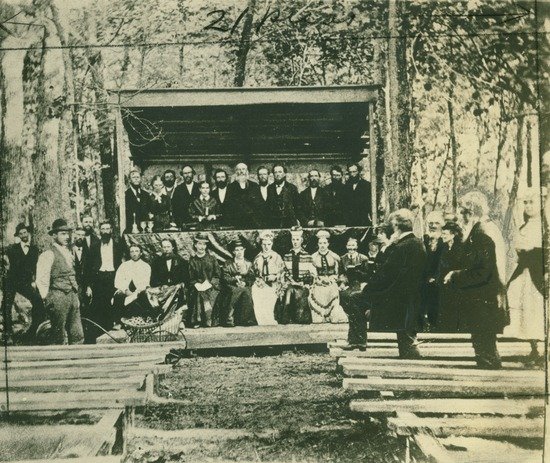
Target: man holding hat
56, 281
21, 261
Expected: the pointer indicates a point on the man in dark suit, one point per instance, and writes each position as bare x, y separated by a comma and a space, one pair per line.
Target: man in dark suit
21, 259
82, 273
185, 193
245, 196
104, 259
313, 202
335, 193
283, 199
264, 219
357, 198
90, 238
222, 196
392, 293
136, 201
169, 268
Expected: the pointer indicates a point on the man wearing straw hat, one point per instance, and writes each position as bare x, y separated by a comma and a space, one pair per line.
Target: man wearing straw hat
56, 282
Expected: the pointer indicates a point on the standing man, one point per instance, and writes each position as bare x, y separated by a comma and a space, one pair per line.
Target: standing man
91, 238
136, 201
105, 257
283, 199
184, 195
264, 219
477, 283
80, 258
56, 282
393, 291
221, 196
245, 196
20, 278
335, 191
169, 182
357, 198
313, 202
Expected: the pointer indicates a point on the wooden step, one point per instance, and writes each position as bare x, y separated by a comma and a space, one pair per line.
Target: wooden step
440, 363
84, 362
75, 385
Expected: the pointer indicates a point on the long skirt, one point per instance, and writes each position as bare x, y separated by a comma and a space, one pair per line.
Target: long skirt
201, 304
526, 309
325, 304
264, 299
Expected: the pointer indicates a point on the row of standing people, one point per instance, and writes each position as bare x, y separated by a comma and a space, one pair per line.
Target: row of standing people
245, 204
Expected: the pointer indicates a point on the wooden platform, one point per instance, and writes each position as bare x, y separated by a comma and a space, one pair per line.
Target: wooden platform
442, 405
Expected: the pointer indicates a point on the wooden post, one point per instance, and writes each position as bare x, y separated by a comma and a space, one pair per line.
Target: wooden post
119, 131
372, 154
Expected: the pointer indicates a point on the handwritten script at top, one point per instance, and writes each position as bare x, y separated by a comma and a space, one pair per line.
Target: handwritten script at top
221, 22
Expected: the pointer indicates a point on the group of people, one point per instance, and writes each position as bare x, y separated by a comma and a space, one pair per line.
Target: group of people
452, 281
245, 204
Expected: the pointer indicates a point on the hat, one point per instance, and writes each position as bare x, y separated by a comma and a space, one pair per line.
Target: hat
296, 232
21, 226
59, 225
236, 244
266, 235
323, 234
201, 237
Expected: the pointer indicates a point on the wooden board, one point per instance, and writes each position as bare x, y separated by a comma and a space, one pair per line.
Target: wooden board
423, 386
469, 426
76, 385
450, 406
84, 362
440, 363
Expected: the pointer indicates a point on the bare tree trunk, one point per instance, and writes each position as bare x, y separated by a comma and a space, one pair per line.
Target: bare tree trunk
517, 174
454, 151
529, 157
500, 145
244, 45
398, 165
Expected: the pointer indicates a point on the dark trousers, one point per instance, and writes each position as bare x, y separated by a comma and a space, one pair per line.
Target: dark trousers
28, 292
101, 310
357, 316
406, 343
485, 348
64, 312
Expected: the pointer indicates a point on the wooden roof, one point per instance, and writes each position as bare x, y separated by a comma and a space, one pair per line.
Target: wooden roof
298, 123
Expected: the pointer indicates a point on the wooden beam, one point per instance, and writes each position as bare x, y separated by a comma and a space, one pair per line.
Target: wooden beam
433, 449
444, 386
378, 362
78, 384
450, 406
243, 96
83, 362
469, 426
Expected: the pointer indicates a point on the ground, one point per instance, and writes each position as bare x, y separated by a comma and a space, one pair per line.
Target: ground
288, 407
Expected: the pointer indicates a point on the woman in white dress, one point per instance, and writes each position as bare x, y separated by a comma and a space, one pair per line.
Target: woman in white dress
324, 296
266, 290
526, 285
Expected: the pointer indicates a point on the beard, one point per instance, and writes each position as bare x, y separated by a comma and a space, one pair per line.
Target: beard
169, 183
314, 183
105, 237
262, 182
79, 242
221, 183
278, 182
354, 179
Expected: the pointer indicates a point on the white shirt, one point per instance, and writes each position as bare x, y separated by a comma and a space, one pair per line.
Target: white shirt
25, 247
107, 264
88, 241
136, 192
263, 190
169, 264
44, 268
189, 187
279, 188
221, 194
138, 272
354, 186
78, 252
313, 192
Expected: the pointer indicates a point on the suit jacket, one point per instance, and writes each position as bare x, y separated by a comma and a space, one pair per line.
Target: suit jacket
80, 267
22, 270
283, 207
357, 203
335, 210
225, 207
178, 273
263, 214
138, 205
312, 209
181, 201
244, 205
94, 257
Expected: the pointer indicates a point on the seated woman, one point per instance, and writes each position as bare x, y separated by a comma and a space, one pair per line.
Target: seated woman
324, 296
269, 269
159, 205
205, 209
204, 280
234, 305
131, 280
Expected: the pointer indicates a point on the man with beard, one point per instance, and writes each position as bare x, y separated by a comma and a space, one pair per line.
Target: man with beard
184, 195
283, 199
245, 196
136, 201
56, 282
357, 198
169, 182
264, 219
313, 202
105, 258
169, 268
220, 194
90, 238
434, 247
21, 263
335, 198
80, 257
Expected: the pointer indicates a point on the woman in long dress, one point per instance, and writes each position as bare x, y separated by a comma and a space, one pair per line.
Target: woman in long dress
159, 205
324, 297
205, 209
204, 279
266, 290
526, 285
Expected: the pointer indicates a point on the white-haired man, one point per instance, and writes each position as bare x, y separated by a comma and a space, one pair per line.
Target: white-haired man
245, 199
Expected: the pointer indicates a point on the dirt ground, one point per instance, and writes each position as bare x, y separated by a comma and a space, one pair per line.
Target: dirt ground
292, 406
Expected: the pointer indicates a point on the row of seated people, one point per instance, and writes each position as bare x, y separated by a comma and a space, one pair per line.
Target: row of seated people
245, 204
272, 289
